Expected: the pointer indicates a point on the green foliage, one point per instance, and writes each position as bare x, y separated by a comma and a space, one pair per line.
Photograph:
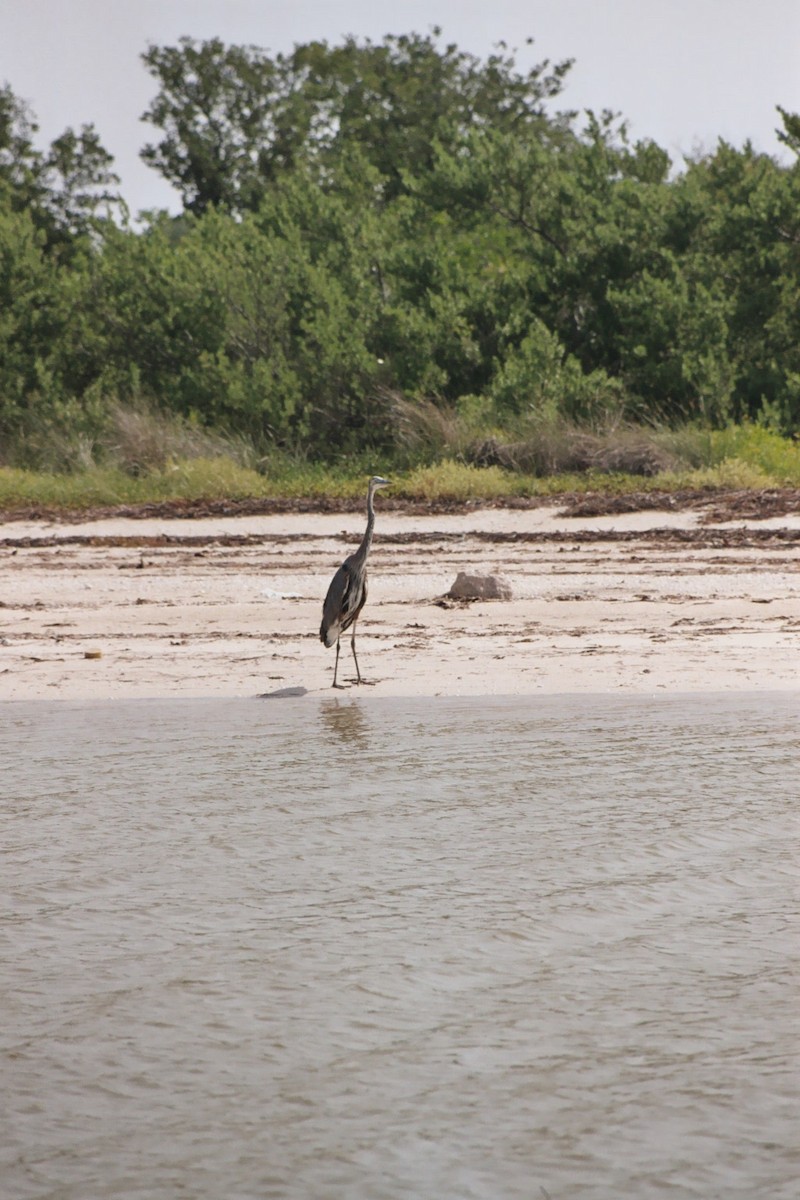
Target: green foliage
740, 216
450, 480
195, 479
217, 476
537, 378
36, 313
777, 457
394, 249
67, 191
234, 119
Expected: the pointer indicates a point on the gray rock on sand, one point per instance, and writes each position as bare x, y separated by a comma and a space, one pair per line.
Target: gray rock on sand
480, 587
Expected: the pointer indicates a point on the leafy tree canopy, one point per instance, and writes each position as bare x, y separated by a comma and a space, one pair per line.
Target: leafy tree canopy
67, 189
385, 218
233, 117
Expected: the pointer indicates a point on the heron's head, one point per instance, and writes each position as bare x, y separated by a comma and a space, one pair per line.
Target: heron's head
378, 481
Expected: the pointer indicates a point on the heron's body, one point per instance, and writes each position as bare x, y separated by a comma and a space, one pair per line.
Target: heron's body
344, 601
348, 590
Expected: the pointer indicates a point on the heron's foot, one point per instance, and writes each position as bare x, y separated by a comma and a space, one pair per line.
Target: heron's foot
368, 682
342, 687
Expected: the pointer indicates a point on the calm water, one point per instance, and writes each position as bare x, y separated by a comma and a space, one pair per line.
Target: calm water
371, 949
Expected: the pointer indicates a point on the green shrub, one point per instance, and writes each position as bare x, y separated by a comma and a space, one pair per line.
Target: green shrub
450, 480
537, 378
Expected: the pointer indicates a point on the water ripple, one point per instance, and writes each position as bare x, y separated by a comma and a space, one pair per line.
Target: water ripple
388, 949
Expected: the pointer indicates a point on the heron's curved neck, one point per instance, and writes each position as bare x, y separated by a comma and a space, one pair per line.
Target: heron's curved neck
366, 541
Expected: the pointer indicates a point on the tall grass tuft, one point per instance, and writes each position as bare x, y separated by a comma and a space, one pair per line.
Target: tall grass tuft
540, 444
426, 431
140, 440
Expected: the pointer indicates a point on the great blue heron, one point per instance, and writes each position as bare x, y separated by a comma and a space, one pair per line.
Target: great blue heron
348, 590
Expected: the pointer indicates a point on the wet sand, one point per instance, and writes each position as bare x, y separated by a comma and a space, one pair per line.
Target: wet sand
689, 599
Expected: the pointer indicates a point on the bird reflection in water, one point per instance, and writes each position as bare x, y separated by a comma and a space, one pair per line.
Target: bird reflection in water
345, 721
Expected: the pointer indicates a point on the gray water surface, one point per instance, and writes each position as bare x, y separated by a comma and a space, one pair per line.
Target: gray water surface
380, 949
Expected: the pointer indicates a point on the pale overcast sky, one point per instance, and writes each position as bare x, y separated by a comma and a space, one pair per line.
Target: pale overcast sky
683, 72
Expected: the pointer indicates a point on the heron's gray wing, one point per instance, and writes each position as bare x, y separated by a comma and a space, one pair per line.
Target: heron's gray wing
345, 599
335, 607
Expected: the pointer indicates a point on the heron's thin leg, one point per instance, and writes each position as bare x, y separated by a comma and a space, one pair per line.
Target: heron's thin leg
353, 648
336, 666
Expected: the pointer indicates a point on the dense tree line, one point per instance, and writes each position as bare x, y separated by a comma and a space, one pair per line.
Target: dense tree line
401, 217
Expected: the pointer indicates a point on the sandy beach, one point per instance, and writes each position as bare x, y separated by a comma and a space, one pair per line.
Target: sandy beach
636, 602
